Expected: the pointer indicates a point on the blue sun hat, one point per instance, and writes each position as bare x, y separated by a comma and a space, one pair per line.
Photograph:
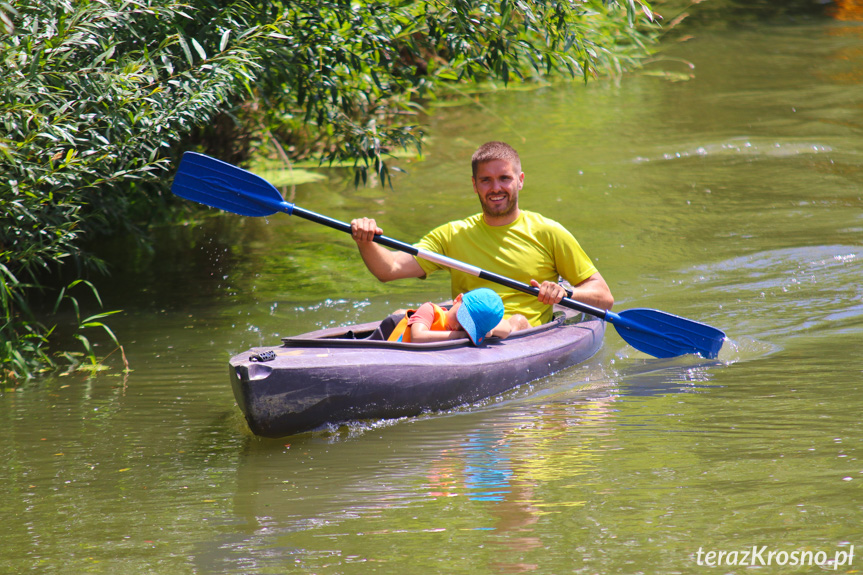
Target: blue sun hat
480, 312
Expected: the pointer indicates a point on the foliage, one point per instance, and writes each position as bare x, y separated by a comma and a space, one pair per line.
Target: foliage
93, 321
6, 11
349, 73
23, 347
98, 98
90, 98
23, 338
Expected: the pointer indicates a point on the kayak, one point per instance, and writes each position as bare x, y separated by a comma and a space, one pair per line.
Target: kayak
335, 376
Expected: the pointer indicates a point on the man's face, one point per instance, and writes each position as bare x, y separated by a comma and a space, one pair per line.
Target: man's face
497, 184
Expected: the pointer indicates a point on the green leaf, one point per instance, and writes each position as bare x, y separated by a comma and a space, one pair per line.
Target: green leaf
185, 46
199, 49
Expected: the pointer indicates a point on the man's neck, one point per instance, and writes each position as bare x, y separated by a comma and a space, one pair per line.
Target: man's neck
501, 220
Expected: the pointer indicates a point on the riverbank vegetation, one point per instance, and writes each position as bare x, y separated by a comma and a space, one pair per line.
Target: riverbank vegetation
98, 99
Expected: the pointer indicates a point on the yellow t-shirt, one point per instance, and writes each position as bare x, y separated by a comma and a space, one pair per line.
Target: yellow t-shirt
532, 247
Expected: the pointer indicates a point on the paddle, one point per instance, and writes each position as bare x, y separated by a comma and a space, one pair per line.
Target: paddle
218, 184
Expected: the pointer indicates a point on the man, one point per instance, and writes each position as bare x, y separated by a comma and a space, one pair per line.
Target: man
502, 239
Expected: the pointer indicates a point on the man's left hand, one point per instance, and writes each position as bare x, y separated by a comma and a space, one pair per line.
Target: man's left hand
550, 293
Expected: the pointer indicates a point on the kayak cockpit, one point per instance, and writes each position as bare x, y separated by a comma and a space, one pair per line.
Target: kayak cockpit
367, 335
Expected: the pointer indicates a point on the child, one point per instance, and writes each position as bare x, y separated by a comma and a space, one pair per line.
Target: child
475, 314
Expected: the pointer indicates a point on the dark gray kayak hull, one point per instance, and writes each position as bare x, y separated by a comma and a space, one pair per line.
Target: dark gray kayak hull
322, 378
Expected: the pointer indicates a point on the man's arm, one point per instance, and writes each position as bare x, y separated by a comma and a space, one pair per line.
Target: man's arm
386, 265
592, 291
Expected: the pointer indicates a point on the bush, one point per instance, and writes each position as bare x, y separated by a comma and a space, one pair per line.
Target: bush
91, 100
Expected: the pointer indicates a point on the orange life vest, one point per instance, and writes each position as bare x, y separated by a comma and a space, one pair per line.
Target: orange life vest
403, 334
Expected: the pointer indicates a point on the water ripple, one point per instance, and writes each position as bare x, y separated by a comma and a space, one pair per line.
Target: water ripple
788, 292
742, 147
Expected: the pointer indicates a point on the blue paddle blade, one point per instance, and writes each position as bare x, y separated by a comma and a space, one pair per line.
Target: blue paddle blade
218, 184
662, 334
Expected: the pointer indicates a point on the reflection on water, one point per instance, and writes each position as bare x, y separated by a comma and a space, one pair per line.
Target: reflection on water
296, 496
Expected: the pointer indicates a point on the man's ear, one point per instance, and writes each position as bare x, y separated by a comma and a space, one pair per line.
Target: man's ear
457, 298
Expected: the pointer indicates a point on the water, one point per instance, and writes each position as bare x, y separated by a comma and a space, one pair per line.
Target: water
732, 197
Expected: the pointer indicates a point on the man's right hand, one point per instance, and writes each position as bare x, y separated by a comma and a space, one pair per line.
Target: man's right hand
386, 265
363, 230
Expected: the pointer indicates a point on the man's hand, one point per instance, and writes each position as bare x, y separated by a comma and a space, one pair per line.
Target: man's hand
363, 230
550, 293
384, 264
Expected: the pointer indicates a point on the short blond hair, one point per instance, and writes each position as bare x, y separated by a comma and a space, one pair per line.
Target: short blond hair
491, 151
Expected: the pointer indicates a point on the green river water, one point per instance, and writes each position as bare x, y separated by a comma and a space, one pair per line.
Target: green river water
730, 192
